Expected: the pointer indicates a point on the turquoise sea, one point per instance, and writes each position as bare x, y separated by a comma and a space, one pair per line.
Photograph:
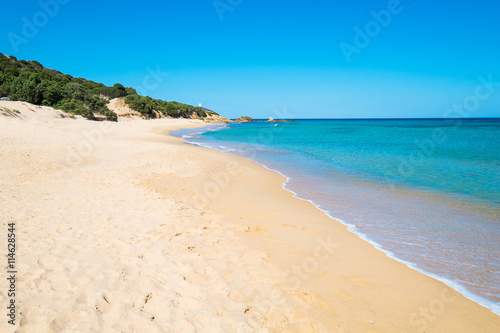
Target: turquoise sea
427, 192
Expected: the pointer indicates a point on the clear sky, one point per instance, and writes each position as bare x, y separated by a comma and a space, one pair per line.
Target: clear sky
303, 59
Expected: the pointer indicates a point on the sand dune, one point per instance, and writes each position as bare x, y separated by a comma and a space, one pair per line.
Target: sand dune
122, 110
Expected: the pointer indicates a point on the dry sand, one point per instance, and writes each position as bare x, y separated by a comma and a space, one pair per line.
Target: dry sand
122, 110
122, 228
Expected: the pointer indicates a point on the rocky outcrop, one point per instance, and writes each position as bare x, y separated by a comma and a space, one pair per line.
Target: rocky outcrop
243, 120
272, 120
215, 118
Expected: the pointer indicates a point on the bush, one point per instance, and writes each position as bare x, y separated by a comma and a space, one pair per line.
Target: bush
26, 87
29, 81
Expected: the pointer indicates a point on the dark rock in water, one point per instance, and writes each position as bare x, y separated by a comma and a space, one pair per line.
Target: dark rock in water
244, 120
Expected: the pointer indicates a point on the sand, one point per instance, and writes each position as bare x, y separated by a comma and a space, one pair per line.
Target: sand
122, 110
122, 228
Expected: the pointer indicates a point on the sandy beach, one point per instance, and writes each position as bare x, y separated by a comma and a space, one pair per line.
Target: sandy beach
123, 228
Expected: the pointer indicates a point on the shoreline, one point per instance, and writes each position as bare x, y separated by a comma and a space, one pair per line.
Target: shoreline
408, 265
125, 245
464, 291
482, 301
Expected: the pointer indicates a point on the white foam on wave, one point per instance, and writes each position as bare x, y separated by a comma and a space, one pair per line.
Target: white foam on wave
198, 131
460, 288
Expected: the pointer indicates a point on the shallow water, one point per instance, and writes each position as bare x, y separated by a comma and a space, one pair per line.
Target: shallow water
426, 192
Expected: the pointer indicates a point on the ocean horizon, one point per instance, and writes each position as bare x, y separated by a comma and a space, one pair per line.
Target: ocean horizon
423, 190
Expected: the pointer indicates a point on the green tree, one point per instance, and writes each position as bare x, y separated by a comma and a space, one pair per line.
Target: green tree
130, 91
26, 87
52, 93
119, 90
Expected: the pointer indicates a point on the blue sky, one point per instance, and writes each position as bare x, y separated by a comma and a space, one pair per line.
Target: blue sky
272, 58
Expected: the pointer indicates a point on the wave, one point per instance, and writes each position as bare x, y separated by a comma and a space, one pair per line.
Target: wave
452, 283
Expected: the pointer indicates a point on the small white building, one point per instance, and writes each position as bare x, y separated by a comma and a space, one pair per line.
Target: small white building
199, 105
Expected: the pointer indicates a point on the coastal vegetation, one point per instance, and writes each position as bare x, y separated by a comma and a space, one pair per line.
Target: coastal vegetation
29, 81
148, 107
